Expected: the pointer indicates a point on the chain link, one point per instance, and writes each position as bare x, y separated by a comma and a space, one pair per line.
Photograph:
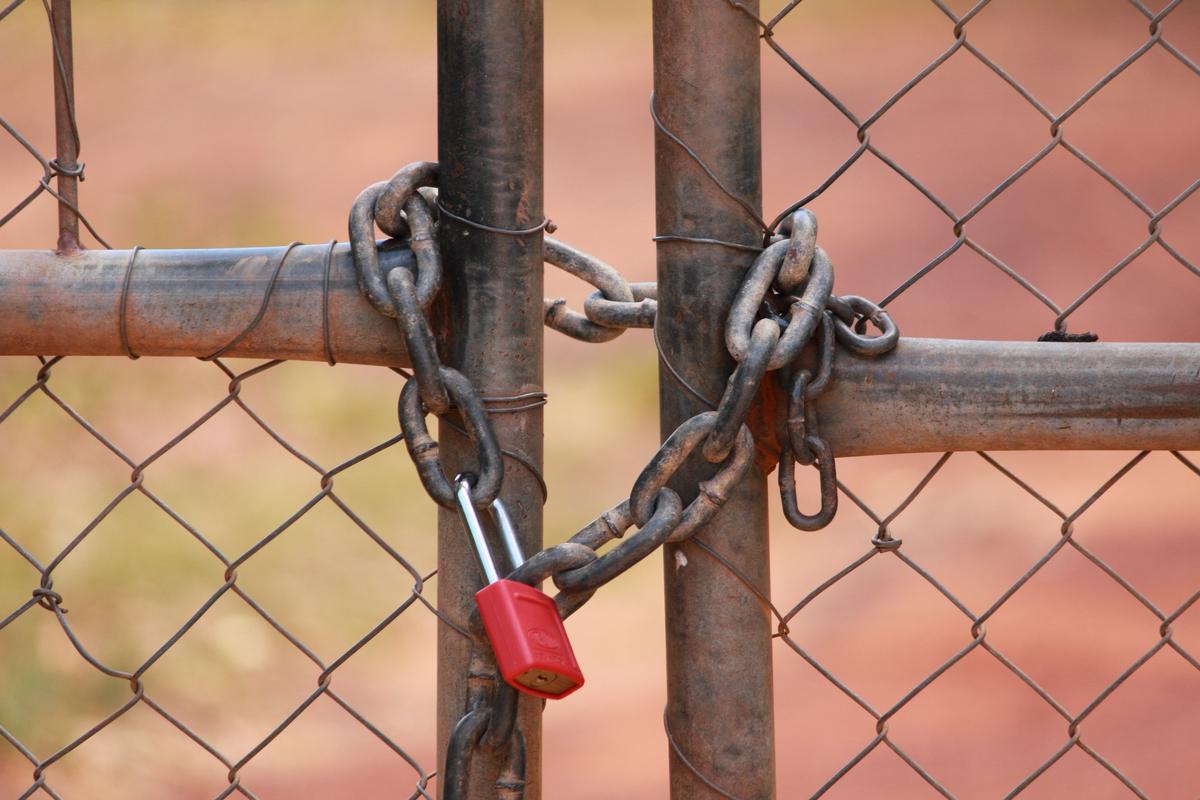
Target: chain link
785, 304
608, 311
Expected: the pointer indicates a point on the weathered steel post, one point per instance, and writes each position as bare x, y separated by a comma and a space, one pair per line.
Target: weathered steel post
719, 706
490, 149
66, 134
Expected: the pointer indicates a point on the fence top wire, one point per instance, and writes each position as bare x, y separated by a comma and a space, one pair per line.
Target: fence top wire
140, 679
883, 543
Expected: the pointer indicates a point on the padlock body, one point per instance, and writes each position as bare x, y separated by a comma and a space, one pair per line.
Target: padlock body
529, 639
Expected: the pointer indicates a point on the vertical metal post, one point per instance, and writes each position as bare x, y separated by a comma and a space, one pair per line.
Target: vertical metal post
719, 696
490, 149
66, 134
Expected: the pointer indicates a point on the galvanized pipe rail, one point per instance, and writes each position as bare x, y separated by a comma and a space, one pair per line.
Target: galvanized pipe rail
944, 394
926, 395
191, 302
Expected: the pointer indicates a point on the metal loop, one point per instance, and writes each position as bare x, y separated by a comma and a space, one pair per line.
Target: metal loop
671, 455
865, 310
803, 315
546, 224
49, 599
828, 476
595, 272
617, 314
801, 230
423, 243
743, 312
418, 338
740, 391
510, 785
825, 355
123, 306
612, 524
551, 561
424, 449
502, 719
460, 748
840, 309
801, 419
383, 201
668, 511
390, 209
713, 492
500, 520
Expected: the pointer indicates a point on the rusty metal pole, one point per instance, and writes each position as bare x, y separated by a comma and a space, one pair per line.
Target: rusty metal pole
490, 149
67, 135
927, 395
719, 697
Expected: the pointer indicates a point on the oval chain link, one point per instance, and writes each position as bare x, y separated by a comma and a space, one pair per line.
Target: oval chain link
785, 304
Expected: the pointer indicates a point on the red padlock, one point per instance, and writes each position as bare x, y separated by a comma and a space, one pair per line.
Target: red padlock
527, 635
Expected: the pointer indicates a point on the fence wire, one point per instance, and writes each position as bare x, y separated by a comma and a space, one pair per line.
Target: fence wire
883, 527
1156, 38
42, 596
45, 598
62, 164
885, 544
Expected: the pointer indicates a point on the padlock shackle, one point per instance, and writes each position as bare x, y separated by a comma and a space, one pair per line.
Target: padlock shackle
508, 533
499, 514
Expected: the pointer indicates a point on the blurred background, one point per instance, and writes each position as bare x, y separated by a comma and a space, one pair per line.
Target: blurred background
232, 124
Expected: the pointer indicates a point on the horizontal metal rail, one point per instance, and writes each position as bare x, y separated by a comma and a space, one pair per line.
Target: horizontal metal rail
927, 395
938, 394
194, 302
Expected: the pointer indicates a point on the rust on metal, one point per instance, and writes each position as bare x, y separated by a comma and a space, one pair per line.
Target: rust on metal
719, 716
66, 164
191, 302
934, 394
927, 395
490, 144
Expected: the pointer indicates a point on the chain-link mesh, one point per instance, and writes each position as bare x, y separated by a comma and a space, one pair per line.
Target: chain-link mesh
876, 639
79, 696
936, 499
75, 605
60, 49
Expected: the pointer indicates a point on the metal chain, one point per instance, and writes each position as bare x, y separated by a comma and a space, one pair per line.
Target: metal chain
784, 304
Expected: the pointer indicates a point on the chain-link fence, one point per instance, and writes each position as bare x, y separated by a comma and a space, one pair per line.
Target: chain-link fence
62, 172
245, 603
1063, 675
1011, 622
150, 630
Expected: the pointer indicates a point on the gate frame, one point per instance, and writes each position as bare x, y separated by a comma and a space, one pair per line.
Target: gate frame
490, 146
720, 703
